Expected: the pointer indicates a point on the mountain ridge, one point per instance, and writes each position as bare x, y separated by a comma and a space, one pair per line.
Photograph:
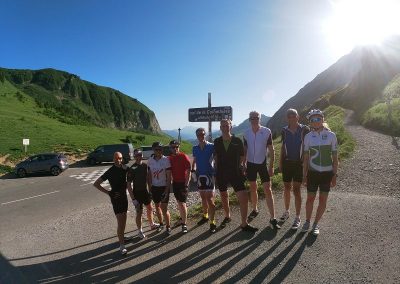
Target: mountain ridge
69, 99
188, 132
356, 81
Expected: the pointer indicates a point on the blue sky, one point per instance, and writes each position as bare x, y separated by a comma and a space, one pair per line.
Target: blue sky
170, 54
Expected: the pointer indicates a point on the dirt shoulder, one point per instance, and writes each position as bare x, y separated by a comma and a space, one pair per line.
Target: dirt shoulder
374, 168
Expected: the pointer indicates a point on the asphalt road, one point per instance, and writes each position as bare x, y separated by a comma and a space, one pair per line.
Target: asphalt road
36, 199
62, 230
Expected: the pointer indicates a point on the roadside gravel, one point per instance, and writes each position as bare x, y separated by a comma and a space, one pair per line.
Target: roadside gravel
374, 168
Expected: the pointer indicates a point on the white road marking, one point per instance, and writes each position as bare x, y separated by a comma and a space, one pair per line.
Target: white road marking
30, 197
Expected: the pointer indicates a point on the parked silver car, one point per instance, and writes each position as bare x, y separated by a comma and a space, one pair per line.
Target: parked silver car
53, 163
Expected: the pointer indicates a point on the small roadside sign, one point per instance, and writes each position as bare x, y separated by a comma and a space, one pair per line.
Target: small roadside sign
210, 114
25, 143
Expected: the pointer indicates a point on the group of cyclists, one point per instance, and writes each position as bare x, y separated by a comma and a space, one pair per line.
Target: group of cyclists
309, 156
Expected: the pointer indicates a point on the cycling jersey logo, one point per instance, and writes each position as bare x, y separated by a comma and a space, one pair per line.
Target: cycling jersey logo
156, 174
205, 182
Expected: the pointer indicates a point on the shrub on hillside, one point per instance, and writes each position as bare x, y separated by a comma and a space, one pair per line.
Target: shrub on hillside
140, 138
335, 119
377, 117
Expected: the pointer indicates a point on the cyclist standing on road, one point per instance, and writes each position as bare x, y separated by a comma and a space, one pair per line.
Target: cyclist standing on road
116, 175
202, 166
291, 164
159, 180
139, 192
257, 144
180, 171
319, 167
229, 157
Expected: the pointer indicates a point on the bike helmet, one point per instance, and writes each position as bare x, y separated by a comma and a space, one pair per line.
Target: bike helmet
315, 112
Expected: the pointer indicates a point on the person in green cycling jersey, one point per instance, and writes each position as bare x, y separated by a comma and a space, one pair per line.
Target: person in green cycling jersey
319, 167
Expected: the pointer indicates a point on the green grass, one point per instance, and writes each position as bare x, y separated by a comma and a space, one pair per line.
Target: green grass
334, 116
20, 117
5, 169
377, 118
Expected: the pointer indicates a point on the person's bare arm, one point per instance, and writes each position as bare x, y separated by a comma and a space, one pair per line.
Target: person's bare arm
306, 158
245, 152
281, 159
149, 180
335, 168
97, 184
130, 191
187, 172
169, 180
187, 177
271, 151
194, 164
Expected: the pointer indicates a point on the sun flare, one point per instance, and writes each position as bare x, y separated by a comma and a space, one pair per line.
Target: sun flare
361, 22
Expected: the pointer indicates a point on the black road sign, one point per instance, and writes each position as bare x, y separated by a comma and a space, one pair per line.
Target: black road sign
205, 114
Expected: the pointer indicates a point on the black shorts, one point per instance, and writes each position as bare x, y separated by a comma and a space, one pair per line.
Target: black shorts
235, 180
261, 169
321, 180
120, 203
180, 191
292, 171
143, 197
158, 194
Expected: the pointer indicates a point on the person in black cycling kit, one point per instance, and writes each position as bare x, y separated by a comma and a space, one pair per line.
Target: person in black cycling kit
229, 157
137, 174
116, 175
291, 163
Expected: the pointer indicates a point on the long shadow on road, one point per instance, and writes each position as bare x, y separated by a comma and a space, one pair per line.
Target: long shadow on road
101, 264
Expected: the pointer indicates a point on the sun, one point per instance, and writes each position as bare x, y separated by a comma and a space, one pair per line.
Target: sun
361, 22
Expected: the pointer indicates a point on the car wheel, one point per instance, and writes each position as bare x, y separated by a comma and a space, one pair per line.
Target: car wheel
55, 171
21, 173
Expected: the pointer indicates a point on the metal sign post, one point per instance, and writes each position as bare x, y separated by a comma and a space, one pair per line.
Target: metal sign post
25, 142
209, 120
210, 114
179, 135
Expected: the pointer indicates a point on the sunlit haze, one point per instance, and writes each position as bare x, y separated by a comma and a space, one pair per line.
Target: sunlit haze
360, 22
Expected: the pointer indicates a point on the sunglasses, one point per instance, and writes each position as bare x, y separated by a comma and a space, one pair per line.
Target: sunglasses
316, 119
254, 118
174, 147
201, 134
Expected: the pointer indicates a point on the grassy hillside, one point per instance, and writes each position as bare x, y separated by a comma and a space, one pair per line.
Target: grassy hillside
71, 100
335, 118
384, 115
21, 117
